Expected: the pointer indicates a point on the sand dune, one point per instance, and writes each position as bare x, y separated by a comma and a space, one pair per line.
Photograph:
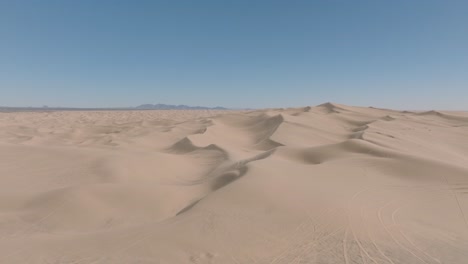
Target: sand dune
324, 184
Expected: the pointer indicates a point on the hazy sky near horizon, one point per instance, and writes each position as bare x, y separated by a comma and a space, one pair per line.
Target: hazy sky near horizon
399, 54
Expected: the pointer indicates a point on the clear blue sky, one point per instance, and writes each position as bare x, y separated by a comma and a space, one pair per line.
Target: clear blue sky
245, 53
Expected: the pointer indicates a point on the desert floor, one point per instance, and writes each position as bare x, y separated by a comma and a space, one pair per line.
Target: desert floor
324, 184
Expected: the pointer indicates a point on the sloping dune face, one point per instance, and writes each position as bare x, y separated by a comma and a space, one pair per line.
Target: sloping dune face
324, 184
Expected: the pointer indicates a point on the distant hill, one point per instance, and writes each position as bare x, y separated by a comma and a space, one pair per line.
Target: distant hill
177, 107
140, 107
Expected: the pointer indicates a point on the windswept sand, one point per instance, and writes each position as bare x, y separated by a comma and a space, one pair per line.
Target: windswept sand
324, 184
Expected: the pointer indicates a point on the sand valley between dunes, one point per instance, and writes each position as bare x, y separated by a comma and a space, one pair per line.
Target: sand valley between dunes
323, 184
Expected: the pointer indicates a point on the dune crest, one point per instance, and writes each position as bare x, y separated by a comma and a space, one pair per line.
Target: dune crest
324, 184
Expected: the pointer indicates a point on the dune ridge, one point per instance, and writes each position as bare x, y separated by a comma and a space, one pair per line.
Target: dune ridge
324, 184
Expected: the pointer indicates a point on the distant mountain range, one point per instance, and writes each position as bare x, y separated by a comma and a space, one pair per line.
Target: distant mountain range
177, 107
140, 107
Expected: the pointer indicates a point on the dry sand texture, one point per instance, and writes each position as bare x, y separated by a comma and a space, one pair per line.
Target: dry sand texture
325, 184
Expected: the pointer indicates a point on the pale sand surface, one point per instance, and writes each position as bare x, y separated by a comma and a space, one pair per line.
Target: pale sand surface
325, 184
